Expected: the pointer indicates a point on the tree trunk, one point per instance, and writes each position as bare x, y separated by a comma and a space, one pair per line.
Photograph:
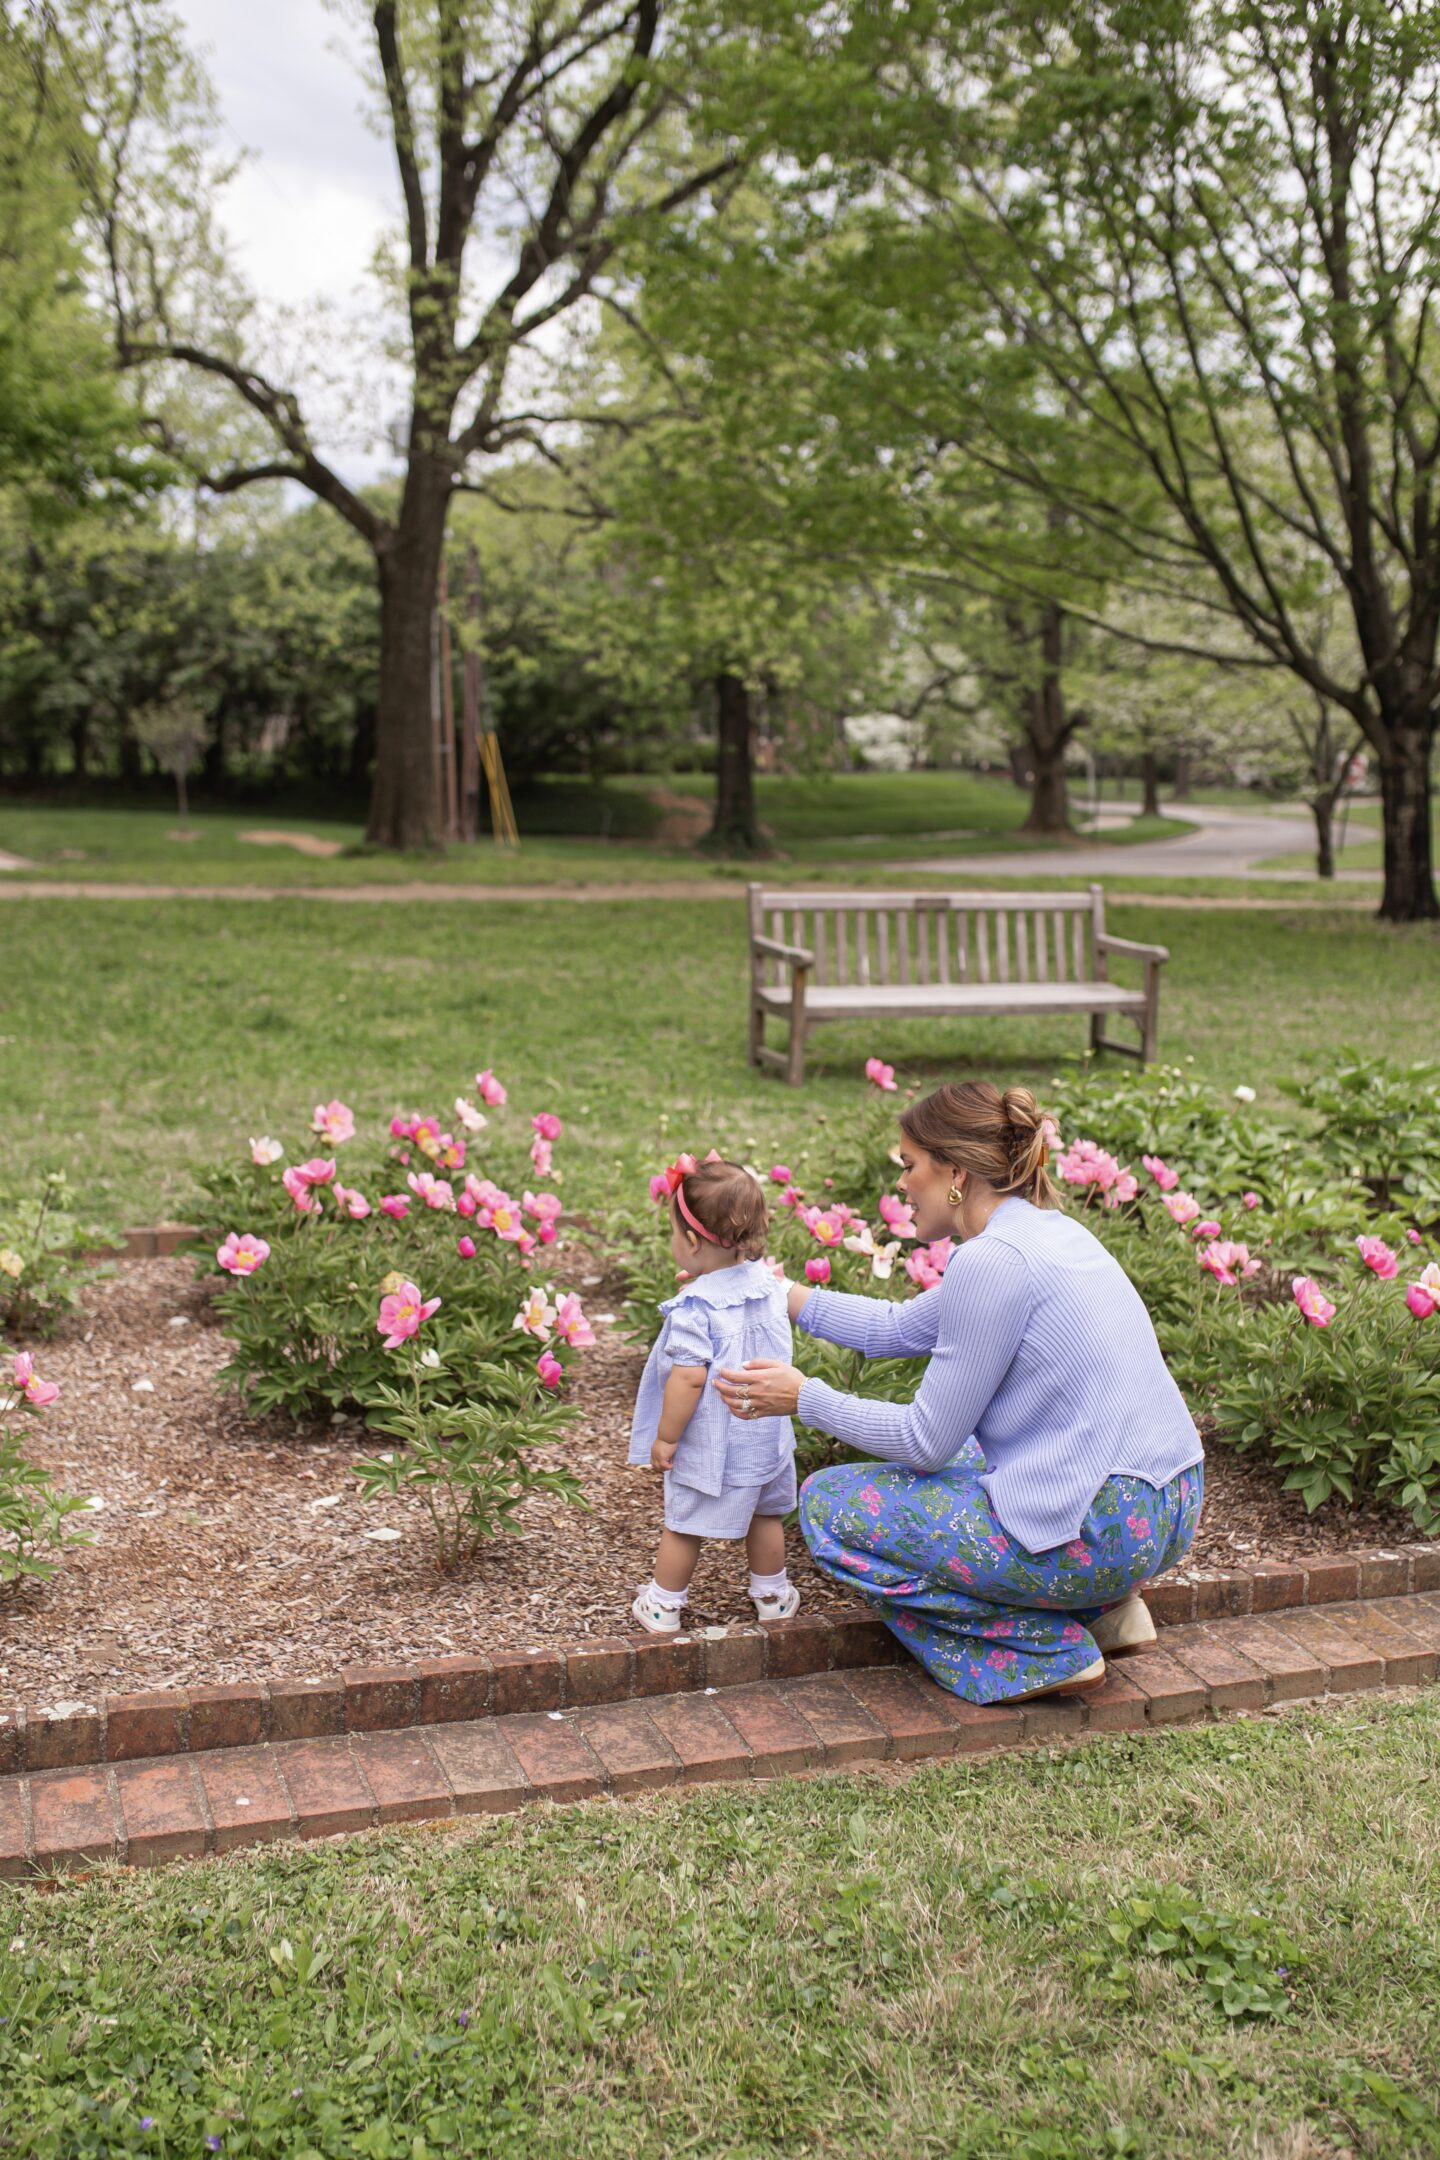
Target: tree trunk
1323, 807
1409, 894
734, 830
1150, 773
1047, 732
1021, 766
403, 809
1181, 790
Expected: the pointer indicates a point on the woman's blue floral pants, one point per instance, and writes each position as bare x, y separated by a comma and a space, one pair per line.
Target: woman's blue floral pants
986, 1618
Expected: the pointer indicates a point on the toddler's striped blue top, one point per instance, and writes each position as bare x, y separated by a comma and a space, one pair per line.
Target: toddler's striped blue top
1041, 1347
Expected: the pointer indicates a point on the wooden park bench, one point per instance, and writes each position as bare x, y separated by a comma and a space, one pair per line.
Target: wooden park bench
818, 956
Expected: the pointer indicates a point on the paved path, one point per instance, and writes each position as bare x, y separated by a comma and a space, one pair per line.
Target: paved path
1224, 843
150, 1809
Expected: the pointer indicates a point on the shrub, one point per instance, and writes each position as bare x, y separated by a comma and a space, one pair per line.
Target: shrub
47, 1255
35, 1520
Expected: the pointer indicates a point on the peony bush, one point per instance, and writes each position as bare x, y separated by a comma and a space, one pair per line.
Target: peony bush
391, 1276
47, 1255
36, 1521
1291, 1264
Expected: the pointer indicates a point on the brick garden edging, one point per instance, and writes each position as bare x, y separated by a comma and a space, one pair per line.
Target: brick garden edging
161, 1808
614, 1669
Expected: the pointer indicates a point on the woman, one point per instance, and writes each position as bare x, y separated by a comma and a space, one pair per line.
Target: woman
1047, 1465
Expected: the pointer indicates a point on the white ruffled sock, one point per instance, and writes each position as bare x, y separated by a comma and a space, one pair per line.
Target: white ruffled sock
769, 1586
671, 1599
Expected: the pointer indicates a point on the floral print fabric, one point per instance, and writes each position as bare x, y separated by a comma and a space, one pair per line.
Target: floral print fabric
987, 1619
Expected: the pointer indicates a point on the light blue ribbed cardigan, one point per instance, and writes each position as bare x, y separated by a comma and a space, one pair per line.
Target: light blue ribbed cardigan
1041, 1347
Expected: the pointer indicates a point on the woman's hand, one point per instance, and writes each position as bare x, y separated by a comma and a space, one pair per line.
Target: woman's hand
763, 1387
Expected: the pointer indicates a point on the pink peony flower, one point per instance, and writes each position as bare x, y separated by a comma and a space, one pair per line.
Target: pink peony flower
396, 1204
659, 1186
1414, 1237
435, 1192
1378, 1257
1166, 1178
1125, 1187
402, 1128
547, 1125
31, 1386
571, 1324
426, 1135
465, 1203
242, 1255
317, 1171
450, 1155
551, 1371
880, 1075
505, 1220
488, 1088
897, 1215
351, 1202
927, 1264
780, 1174
792, 1196
1250, 1199
1204, 1229
401, 1314
542, 1207
536, 1316
1423, 1296
472, 1119
1086, 1164
1181, 1207
298, 1187
827, 1227
546, 1234
1312, 1301
465, 1246
264, 1152
818, 1269
334, 1123
1227, 1262
542, 1154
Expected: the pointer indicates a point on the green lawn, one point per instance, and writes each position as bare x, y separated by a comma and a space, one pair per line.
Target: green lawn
144, 1037
1362, 849
951, 1963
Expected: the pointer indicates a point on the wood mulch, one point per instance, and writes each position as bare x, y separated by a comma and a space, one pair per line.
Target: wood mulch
230, 1547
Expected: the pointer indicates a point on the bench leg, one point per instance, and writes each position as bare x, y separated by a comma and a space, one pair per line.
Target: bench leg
795, 1063
757, 1031
1097, 1033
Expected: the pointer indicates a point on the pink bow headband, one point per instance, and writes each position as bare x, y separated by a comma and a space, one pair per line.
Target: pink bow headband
670, 1184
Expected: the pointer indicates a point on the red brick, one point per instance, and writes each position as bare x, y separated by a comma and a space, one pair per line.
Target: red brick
72, 1818
1384, 1572
705, 1741
1169, 1601
1347, 1664
668, 1664
1053, 1717
225, 1717
777, 1736
858, 1641
1333, 1580
379, 1698
846, 1732
481, 1767
1117, 1705
247, 1802
1276, 1584
453, 1690
978, 1727
554, 1757
151, 1724
913, 1725
1420, 1616
11, 1724
598, 1672
1231, 1679
525, 1680
404, 1776
793, 1647
61, 1743
629, 1746
164, 1817
1424, 1566
13, 1862
170, 1236
140, 1243
1292, 1671
1171, 1692
305, 1709
1409, 1658
325, 1784
736, 1658
1222, 1596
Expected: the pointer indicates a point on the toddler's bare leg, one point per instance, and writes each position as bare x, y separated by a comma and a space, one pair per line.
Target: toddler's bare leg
675, 1562
765, 1545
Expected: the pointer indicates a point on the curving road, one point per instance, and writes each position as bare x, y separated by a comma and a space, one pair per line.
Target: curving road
1221, 843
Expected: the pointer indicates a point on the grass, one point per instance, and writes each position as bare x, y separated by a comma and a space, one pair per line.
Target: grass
949, 1963
1362, 849
146, 1038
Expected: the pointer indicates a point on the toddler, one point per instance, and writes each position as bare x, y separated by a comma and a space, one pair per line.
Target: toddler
724, 1478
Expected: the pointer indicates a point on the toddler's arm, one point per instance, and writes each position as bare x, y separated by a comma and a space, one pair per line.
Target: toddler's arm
682, 1393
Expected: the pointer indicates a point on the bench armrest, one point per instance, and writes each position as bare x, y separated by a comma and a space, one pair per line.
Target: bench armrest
797, 953
1158, 953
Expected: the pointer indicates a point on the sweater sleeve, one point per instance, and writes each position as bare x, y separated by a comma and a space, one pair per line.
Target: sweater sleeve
877, 1327
983, 1305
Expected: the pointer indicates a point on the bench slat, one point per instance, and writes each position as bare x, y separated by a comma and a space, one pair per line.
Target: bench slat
902, 944
898, 1000
852, 903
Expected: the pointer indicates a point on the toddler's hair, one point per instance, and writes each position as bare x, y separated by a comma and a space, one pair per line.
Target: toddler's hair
726, 1199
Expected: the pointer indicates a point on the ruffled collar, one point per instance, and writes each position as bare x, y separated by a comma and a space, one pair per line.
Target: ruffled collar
727, 1286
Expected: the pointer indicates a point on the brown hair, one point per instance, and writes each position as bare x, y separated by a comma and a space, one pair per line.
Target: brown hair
727, 1200
1001, 1138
